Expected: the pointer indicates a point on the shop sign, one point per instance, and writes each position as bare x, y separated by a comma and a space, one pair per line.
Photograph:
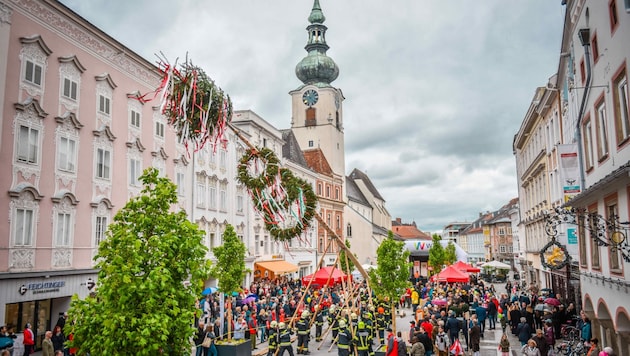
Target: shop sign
42, 287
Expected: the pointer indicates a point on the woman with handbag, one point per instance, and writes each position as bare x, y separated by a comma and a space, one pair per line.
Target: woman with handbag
208, 342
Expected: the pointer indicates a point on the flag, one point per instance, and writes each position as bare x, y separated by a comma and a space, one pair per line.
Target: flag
456, 348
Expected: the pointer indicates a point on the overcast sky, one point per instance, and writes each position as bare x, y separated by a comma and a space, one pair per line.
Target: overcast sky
435, 89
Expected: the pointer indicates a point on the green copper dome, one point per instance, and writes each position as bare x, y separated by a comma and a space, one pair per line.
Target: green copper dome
317, 67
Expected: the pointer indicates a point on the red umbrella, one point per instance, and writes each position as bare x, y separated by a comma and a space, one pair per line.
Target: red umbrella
552, 301
451, 274
462, 266
320, 277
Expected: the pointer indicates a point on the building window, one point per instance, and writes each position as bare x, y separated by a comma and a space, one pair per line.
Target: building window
595, 47
104, 104
159, 129
134, 118
23, 227
64, 223
180, 184
602, 131
222, 158
311, 143
613, 252
593, 241
223, 200
502, 249
337, 193
501, 230
319, 189
327, 192
348, 230
582, 241
588, 145
612, 14
338, 218
239, 203
620, 96
100, 227
212, 204
257, 245
135, 171
103, 162
33, 73
28, 145
212, 242
67, 154
201, 195
70, 88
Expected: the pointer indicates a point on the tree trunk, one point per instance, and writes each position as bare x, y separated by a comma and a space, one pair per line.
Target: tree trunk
393, 311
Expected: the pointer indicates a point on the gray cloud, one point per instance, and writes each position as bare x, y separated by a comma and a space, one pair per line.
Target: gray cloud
435, 90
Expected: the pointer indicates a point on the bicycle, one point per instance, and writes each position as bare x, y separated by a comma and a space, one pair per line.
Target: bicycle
570, 332
571, 348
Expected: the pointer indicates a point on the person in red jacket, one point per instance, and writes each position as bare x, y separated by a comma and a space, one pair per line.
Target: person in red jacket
392, 344
29, 340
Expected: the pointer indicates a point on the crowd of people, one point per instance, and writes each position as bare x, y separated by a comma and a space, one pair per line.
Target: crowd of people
447, 318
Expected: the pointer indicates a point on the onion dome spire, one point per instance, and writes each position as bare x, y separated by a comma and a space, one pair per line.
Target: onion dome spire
317, 67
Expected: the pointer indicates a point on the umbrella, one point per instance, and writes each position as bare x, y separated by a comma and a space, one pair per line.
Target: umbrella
253, 295
249, 300
552, 301
208, 290
496, 264
541, 308
439, 302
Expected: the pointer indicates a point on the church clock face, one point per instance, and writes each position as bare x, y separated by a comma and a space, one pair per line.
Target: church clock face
310, 97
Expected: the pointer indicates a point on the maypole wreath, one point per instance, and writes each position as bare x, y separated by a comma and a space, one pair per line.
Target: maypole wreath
285, 202
194, 105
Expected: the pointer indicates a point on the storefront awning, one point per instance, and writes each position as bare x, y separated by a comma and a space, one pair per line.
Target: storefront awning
278, 267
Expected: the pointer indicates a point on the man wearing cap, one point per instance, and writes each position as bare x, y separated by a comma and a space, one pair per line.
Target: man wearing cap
412, 329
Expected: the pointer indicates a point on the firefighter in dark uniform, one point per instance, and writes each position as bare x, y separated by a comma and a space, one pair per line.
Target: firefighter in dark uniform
304, 332
381, 324
363, 340
284, 338
333, 319
369, 324
273, 338
344, 339
319, 323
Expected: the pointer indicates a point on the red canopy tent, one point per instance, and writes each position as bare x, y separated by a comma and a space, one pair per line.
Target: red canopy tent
320, 277
451, 274
462, 266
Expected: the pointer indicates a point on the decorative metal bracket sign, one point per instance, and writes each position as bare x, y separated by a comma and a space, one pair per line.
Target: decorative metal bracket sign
605, 232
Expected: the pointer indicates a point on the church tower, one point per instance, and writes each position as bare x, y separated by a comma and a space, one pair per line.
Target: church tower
317, 115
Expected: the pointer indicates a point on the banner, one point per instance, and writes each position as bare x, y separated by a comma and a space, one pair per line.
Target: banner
569, 170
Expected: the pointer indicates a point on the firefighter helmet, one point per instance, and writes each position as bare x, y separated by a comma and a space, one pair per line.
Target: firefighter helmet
305, 314
282, 325
273, 324
342, 323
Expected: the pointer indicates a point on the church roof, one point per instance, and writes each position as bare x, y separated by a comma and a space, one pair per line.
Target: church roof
317, 161
354, 193
291, 149
357, 174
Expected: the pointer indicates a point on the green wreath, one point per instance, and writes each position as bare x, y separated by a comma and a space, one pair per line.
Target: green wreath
263, 180
267, 202
554, 255
298, 190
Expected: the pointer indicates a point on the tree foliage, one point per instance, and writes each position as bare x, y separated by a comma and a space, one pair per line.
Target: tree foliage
229, 268
450, 255
344, 263
436, 254
152, 266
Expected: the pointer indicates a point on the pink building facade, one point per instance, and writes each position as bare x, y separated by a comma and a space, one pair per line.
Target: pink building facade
73, 142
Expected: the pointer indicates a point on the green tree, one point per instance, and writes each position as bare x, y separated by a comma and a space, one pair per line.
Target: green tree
346, 266
151, 268
450, 256
436, 254
229, 268
392, 272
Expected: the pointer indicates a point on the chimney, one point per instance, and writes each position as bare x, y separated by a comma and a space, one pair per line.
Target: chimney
398, 220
